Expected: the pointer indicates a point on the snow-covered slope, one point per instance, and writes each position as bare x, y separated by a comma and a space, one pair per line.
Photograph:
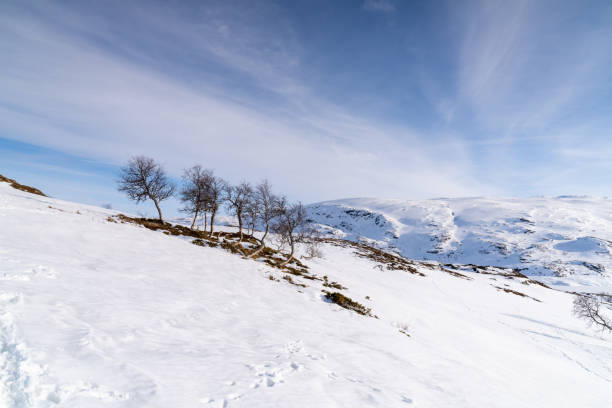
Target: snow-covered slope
101, 314
564, 237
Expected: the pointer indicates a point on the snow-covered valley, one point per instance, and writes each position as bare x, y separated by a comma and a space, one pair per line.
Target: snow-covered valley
565, 242
95, 313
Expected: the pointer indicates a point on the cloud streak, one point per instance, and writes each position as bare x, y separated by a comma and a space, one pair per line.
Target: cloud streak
239, 87
66, 92
379, 5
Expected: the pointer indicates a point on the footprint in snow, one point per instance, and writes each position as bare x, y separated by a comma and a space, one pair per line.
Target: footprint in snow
39, 270
267, 375
406, 399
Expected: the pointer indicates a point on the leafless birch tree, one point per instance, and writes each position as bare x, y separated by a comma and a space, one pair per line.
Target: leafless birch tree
143, 179
193, 192
589, 307
216, 188
289, 223
238, 197
265, 201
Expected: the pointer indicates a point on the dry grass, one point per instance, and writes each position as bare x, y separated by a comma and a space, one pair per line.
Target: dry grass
456, 274
229, 242
291, 281
334, 285
21, 187
347, 303
494, 270
390, 261
515, 292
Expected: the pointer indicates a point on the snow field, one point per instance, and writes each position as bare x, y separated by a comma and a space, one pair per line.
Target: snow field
102, 314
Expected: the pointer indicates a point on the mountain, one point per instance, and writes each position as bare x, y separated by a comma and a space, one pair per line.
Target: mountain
99, 309
564, 241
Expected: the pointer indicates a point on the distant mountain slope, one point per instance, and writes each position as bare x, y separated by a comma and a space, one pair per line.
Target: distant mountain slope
558, 237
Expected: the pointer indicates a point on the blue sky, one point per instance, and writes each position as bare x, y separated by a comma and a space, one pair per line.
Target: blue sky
326, 99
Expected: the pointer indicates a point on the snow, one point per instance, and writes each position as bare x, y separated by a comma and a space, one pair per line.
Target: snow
101, 314
584, 244
548, 238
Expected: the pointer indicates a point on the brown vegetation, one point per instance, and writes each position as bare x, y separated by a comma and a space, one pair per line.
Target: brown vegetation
347, 303
230, 242
515, 292
21, 187
391, 262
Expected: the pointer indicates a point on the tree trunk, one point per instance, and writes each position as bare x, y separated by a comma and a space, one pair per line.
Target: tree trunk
261, 246
195, 217
212, 220
205, 219
286, 261
239, 214
158, 210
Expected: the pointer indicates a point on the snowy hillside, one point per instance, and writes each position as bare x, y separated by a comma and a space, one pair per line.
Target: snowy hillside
99, 313
565, 237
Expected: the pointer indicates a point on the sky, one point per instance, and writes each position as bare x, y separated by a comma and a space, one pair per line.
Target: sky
327, 100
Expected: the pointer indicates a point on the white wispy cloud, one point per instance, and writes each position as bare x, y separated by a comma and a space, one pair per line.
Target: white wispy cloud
379, 5
522, 67
65, 88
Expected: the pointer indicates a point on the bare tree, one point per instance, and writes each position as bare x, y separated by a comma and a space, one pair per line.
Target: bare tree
215, 196
312, 238
251, 215
289, 224
589, 307
238, 198
265, 202
193, 192
143, 179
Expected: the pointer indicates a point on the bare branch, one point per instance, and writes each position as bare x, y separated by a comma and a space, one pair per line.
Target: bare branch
289, 222
238, 198
143, 179
262, 207
214, 197
194, 190
589, 307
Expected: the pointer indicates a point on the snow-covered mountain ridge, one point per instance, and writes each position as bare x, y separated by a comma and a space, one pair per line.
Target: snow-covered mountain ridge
99, 313
565, 237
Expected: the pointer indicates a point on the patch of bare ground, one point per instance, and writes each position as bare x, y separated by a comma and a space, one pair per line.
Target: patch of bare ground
455, 274
348, 303
494, 270
291, 281
390, 261
333, 284
515, 292
21, 187
224, 240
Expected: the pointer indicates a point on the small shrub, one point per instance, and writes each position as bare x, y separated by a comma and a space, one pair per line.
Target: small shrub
228, 246
334, 285
290, 280
313, 249
347, 303
199, 242
401, 327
